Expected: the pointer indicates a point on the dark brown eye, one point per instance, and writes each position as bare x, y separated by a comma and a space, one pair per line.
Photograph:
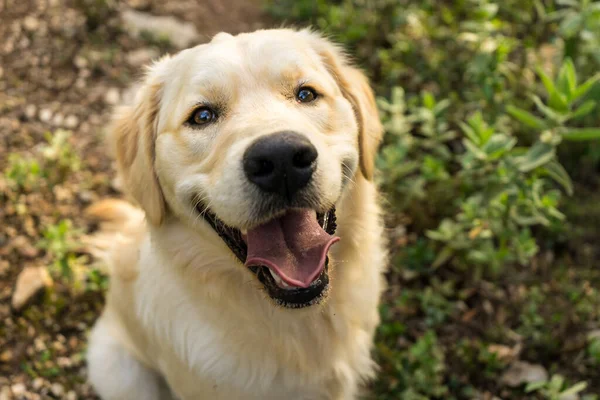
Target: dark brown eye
202, 116
306, 95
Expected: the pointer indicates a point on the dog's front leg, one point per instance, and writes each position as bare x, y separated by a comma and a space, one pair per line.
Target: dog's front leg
116, 374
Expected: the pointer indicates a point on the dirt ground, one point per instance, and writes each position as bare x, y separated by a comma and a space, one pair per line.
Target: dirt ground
63, 66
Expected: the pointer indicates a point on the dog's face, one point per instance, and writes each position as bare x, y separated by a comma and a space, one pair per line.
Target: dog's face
259, 135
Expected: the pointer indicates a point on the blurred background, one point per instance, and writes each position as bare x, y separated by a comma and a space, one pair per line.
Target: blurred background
489, 169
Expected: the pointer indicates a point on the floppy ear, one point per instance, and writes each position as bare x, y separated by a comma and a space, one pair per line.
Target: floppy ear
356, 89
133, 134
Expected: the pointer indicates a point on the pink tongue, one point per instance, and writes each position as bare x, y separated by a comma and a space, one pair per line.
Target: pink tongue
293, 246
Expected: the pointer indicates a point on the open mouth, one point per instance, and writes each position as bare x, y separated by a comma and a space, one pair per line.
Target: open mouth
288, 254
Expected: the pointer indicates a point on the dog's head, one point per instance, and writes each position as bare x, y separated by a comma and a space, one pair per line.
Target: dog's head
258, 135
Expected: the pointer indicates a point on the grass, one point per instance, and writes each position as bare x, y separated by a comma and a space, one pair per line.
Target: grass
491, 196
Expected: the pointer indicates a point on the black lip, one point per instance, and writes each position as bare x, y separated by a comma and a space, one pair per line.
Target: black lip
293, 298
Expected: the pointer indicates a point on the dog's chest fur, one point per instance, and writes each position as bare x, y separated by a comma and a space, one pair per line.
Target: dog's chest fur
212, 336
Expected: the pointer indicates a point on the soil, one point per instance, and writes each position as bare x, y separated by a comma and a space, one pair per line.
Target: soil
63, 66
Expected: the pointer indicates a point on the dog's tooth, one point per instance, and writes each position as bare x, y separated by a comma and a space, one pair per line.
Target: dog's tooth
280, 282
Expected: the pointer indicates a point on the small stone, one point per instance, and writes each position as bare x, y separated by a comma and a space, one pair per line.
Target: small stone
180, 33
595, 334
23, 245
1, 72
5, 393
139, 4
112, 96
71, 121
80, 62
45, 115
64, 362
57, 389
141, 56
37, 383
58, 120
30, 281
18, 389
505, 353
6, 356
31, 23
87, 196
71, 395
39, 344
30, 111
522, 372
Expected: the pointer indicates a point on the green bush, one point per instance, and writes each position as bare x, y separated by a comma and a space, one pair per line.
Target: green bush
483, 103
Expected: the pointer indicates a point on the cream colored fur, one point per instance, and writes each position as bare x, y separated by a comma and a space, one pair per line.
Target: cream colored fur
186, 320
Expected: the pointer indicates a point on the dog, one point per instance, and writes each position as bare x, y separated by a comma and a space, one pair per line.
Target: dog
251, 265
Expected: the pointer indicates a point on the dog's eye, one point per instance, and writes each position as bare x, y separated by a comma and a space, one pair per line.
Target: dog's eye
306, 95
202, 116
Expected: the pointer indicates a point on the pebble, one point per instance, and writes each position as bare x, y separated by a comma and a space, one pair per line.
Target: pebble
6, 356
31, 23
80, 62
57, 389
141, 56
29, 282
30, 111
71, 395
71, 121
5, 393
45, 115
37, 383
521, 372
18, 389
23, 245
180, 33
112, 96
58, 120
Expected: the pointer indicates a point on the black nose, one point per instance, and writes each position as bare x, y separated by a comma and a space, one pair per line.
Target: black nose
280, 163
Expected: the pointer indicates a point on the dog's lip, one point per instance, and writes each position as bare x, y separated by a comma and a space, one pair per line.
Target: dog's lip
297, 297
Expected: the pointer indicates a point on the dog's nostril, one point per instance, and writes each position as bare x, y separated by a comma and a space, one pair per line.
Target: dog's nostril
304, 158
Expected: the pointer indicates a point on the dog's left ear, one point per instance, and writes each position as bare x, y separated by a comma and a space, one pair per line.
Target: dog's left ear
356, 89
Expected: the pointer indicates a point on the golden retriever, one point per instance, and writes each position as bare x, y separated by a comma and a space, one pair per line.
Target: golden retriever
254, 265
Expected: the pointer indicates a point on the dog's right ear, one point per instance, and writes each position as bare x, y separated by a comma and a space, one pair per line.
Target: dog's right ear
133, 135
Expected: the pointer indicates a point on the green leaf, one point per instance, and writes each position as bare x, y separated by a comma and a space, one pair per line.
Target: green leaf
581, 134
556, 100
572, 3
571, 25
538, 155
578, 387
428, 101
443, 256
548, 83
498, 145
557, 172
555, 116
583, 109
526, 117
534, 386
585, 87
473, 137
567, 78
474, 150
